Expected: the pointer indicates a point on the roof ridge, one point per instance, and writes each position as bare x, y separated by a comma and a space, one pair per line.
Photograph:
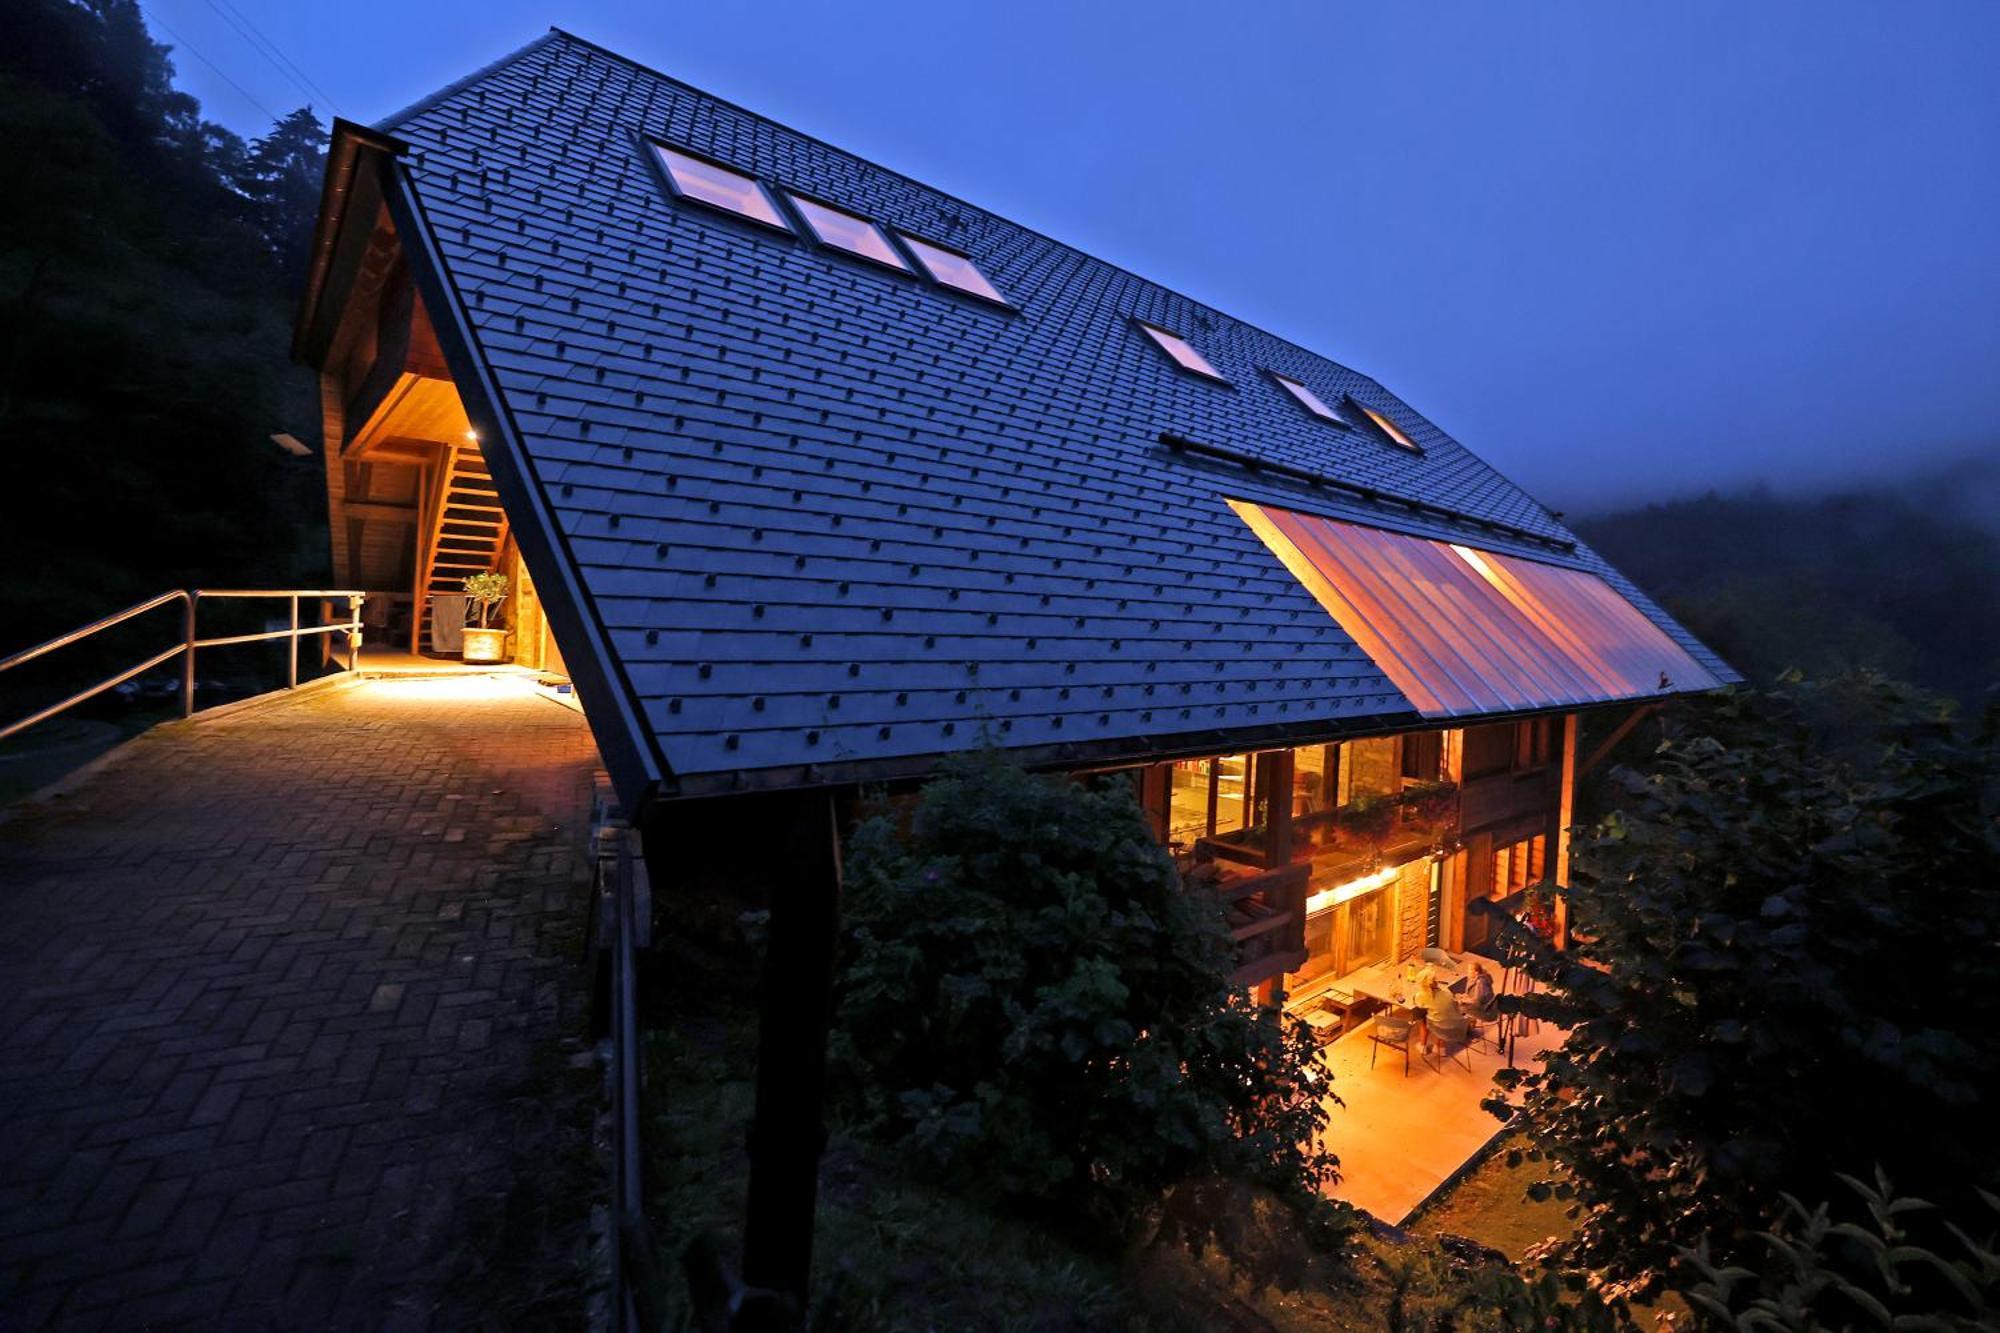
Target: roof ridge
388, 124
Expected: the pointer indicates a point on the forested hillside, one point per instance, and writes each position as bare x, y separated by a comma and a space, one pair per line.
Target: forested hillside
148, 265
1904, 580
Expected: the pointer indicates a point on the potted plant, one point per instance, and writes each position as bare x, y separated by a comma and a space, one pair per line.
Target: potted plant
1369, 820
485, 643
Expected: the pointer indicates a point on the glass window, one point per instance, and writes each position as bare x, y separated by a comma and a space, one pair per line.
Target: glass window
1518, 865
1372, 768
1388, 427
1312, 788
846, 231
1187, 801
1232, 792
952, 269
1182, 351
1368, 929
1309, 399
717, 185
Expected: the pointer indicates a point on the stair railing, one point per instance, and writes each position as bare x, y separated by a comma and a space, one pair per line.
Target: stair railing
191, 642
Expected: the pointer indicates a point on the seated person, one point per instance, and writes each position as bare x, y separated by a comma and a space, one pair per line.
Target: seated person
1479, 991
1434, 1002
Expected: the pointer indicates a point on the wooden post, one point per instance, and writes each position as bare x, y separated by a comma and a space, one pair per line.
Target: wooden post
187, 657
1277, 772
1565, 812
788, 1131
292, 648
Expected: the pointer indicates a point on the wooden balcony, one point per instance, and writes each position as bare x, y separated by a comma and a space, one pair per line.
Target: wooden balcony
1266, 912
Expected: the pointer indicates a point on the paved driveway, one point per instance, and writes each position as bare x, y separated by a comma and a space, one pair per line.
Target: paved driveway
290, 1016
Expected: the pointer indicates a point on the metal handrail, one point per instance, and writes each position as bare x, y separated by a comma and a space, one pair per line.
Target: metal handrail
191, 642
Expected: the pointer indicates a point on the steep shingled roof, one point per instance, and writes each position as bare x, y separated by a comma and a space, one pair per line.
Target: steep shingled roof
832, 515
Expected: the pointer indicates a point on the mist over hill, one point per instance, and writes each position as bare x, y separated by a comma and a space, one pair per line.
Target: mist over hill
1903, 577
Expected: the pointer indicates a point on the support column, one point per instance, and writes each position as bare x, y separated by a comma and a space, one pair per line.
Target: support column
1565, 814
788, 1131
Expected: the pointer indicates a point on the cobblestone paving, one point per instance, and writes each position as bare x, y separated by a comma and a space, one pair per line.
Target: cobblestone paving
290, 1020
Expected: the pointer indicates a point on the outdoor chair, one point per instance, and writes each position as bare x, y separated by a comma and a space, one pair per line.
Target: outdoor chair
1392, 1030
1449, 1035
1482, 1017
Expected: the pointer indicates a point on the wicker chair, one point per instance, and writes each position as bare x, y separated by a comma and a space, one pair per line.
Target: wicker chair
1394, 1031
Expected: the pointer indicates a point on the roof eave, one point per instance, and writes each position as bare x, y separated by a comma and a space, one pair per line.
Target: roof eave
629, 748
344, 155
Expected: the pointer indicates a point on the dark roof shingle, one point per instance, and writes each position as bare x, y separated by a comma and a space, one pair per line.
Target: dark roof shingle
833, 514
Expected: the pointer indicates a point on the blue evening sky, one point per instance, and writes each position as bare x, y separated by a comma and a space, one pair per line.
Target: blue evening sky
1621, 251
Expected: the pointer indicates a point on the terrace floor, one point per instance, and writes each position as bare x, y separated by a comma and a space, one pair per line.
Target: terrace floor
1400, 1138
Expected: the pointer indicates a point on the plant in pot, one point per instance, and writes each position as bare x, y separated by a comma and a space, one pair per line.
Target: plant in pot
484, 642
1368, 820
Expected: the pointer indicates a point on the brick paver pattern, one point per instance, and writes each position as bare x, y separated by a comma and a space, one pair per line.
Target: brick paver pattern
290, 1020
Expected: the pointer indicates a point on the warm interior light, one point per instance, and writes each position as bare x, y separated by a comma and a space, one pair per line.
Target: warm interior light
1354, 888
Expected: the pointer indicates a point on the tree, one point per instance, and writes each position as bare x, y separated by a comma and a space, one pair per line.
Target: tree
1784, 958
281, 178
1032, 1005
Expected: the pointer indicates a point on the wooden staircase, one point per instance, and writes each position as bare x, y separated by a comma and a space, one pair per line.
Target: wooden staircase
463, 533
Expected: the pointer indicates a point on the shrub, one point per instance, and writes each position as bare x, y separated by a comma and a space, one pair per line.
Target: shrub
1784, 957
1034, 1008
1820, 1274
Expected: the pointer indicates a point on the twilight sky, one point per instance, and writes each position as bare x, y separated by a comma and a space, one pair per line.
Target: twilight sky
1623, 252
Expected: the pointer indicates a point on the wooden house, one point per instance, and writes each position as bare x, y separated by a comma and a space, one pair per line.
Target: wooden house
810, 475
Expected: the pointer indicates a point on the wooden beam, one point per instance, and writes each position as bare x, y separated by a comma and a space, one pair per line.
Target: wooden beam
386, 510
1624, 729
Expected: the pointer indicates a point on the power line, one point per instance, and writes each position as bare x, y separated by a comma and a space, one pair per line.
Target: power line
180, 41
265, 47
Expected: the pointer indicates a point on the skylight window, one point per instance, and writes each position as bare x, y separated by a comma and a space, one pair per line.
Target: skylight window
1182, 351
848, 231
720, 187
953, 269
1308, 399
1388, 427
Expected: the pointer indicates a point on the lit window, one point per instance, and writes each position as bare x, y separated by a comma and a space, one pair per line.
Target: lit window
953, 269
1182, 351
1308, 399
717, 185
845, 231
1388, 427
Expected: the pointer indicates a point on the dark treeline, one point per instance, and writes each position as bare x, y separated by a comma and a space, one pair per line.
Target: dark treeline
149, 261
1899, 580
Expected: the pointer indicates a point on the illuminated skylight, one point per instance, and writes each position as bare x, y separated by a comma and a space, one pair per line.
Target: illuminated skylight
1388, 427
847, 231
1307, 398
953, 269
720, 187
1182, 351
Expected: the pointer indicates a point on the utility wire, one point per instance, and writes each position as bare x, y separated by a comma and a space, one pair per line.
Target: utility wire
181, 42
265, 47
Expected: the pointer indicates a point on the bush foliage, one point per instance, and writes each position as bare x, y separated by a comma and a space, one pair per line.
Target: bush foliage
1900, 1266
1784, 957
1033, 1008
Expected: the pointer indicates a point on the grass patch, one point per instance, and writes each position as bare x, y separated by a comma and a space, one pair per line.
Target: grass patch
1490, 1205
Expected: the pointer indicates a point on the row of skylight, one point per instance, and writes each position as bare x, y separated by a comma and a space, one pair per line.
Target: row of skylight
737, 192
1187, 358
733, 191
